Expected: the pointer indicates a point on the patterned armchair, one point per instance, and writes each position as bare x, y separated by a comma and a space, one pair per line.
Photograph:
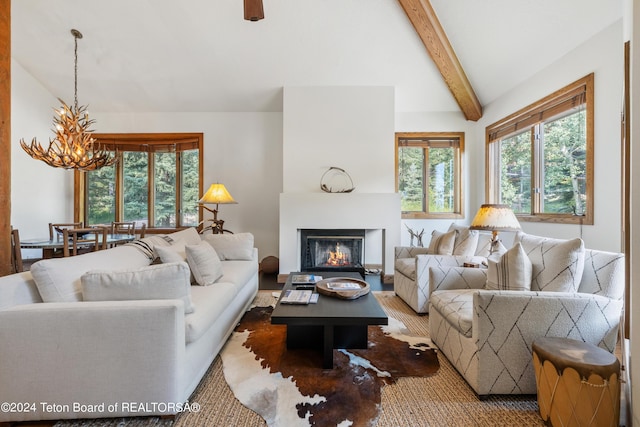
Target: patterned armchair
412, 264
487, 334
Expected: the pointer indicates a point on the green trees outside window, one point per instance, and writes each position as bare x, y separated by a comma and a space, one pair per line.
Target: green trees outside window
428, 170
101, 196
540, 159
136, 186
515, 172
156, 182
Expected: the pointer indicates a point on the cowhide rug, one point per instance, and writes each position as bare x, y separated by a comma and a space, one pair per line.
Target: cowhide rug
290, 388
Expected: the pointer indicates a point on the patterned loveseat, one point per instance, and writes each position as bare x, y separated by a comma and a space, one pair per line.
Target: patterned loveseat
487, 334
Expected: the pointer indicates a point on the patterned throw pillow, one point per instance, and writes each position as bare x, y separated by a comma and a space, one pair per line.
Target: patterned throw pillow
466, 240
442, 243
557, 264
511, 271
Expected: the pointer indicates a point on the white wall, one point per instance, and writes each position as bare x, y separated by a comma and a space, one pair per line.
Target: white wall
348, 127
241, 150
602, 55
40, 194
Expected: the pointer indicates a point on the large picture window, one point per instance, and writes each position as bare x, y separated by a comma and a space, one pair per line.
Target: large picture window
428, 174
540, 159
156, 182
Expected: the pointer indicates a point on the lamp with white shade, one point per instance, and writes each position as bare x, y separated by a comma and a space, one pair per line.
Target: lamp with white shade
219, 195
495, 218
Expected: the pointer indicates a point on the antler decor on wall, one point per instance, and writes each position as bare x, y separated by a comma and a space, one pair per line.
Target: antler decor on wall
415, 235
334, 174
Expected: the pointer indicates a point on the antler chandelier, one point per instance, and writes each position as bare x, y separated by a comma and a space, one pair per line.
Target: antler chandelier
73, 146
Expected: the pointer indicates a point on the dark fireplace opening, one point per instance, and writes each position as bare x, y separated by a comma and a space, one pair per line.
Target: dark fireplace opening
332, 250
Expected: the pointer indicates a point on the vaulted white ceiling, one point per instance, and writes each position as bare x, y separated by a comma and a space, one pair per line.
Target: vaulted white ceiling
202, 56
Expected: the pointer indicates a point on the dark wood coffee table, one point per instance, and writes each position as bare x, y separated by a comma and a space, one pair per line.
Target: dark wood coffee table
330, 323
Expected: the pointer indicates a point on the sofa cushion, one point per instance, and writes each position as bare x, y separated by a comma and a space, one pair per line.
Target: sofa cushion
442, 243
603, 274
211, 302
510, 271
162, 281
456, 306
58, 279
557, 264
232, 246
466, 240
238, 272
204, 263
406, 266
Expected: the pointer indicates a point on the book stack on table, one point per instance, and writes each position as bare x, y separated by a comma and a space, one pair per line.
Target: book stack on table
297, 296
304, 279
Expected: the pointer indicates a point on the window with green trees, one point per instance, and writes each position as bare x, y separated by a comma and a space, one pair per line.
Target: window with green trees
540, 159
156, 181
428, 171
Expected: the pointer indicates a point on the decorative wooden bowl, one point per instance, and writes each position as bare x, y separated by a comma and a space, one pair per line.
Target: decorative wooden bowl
341, 287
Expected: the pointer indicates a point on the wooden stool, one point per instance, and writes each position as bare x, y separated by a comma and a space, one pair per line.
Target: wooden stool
578, 383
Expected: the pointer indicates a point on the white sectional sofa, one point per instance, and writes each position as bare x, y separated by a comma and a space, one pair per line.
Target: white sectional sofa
72, 358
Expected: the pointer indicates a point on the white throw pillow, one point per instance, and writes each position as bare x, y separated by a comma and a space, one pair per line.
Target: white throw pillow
466, 240
161, 281
174, 253
557, 264
442, 243
189, 235
58, 279
204, 262
232, 246
511, 271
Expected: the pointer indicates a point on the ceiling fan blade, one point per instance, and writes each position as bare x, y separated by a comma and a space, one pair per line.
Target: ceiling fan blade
253, 10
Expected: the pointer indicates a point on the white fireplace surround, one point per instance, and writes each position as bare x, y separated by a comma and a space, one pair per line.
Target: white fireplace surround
378, 213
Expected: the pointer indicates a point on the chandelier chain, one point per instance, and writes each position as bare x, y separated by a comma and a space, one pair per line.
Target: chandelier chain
75, 71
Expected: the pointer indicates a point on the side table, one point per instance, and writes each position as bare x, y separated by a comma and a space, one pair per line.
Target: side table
578, 383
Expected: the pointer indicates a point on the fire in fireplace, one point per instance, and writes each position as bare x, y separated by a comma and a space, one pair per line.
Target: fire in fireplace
332, 249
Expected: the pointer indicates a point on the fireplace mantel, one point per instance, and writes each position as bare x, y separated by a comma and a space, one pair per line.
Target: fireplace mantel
369, 211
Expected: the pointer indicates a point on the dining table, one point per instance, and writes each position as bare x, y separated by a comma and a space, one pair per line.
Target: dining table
50, 246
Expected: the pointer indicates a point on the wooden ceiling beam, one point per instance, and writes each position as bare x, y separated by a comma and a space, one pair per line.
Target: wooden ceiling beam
426, 23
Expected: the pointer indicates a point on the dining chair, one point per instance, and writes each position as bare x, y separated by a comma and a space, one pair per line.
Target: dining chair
76, 239
16, 253
54, 227
143, 230
123, 227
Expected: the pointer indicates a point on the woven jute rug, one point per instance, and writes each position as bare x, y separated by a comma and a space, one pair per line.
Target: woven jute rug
443, 399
